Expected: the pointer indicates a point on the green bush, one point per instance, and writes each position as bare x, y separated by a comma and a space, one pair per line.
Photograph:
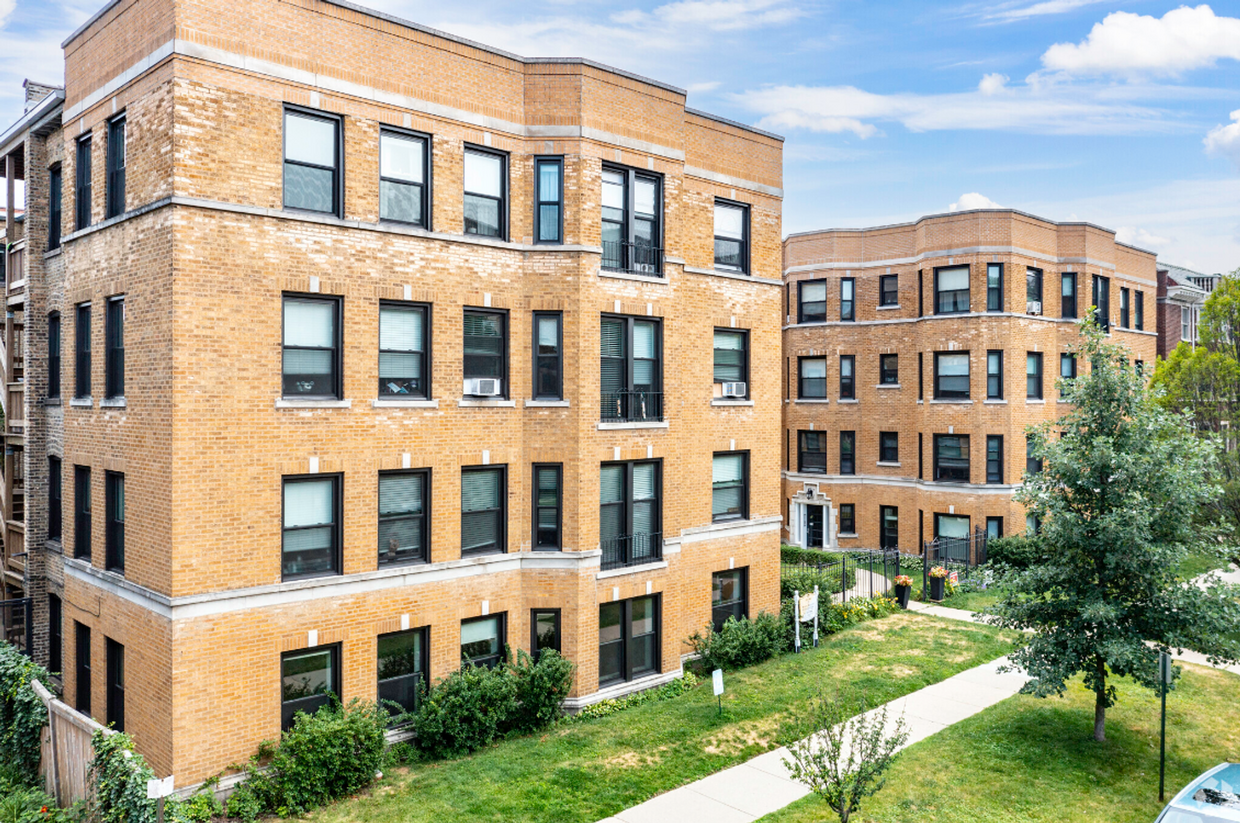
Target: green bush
739, 643
541, 688
22, 713
20, 803
326, 755
119, 775
465, 711
681, 685
200, 807
833, 617
1017, 551
803, 579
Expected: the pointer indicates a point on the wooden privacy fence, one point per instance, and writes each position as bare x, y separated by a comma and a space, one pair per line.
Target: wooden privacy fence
66, 749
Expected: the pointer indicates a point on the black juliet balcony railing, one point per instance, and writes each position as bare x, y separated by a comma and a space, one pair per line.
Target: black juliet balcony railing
632, 550
631, 407
632, 258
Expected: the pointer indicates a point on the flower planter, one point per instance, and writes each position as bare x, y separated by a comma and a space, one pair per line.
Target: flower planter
902, 593
936, 589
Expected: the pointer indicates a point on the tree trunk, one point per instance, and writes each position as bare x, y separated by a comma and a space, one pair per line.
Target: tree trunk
1100, 703
845, 811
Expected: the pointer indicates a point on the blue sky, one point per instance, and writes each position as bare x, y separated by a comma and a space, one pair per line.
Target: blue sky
1125, 114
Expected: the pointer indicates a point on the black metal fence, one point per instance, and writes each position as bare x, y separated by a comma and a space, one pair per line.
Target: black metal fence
956, 554
632, 550
846, 575
634, 258
17, 623
631, 406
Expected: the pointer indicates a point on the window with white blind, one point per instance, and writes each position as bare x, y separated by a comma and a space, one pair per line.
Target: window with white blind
403, 368
403, 502
486, 353
730, 487
732, 357
731, 236
631, 370
311, 539
485, 193
951, 290
630, 513
812, 378
951, 375
312, 347
812, 301
484, 496
403, 171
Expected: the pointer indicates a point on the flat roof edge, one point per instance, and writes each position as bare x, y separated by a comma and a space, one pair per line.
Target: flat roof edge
28, 119
726, 121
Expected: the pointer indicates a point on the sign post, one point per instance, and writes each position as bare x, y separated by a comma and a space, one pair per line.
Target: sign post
1164, 679
716, 679
815, 615
157, 790
796, 620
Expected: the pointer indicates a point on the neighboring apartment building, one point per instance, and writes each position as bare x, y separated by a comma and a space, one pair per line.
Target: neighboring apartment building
916, 355
1181, 295
362, 348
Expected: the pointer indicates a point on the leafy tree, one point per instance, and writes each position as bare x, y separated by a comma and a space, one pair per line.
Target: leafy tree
1221, 314
1121, 481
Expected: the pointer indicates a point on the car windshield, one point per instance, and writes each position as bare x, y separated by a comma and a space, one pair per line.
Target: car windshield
1216, 799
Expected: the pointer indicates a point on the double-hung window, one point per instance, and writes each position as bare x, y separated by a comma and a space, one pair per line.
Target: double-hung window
548, 519
308, 680
889, 369
115, 693
114, 349
729, 596
630, 513
1102, 301
313, 158
81, 366
848, 299
1033, 464
731, 236
1123, 308
484, 510
549, 205
404, 503
631, 370
889, 290
994, 458
81, 512
888, 447
404, 335
994, 527
1067, 290
81, 641
994, 374
951, 290
404, 171
116, 167
486, 353
311, 538
403, 659
848, 452
848, 518
1033, 290
848, 380
548, 355
812, 301
628, 639
114, 522
951, 375
53, 355
486, 193
994, 287
82, 186
888, 527
729, 496
1140, 310
544, 631
312, 347
812, 451
732, 358
1067, 371
55, 498
951, 457
811, 378
1033, 375
55, 199
632, 213
483, 639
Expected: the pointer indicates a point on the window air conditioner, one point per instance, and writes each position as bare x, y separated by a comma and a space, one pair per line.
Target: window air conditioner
734, 390
1033, 307
483, 387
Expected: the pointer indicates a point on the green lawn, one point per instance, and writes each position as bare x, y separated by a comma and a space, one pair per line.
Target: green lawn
1197, 564
1035, 760
585, 771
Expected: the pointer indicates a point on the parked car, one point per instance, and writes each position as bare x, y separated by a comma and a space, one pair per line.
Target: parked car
1212, 798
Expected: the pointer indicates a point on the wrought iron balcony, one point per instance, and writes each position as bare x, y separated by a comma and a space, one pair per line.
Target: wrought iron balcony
632, 407
633, 258
632, 550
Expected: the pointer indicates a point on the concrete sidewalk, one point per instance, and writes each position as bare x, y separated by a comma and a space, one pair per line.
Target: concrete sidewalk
763, 785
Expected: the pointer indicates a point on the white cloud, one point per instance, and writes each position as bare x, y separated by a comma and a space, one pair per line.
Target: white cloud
1134, 44
1007, 13
702, 88
992, 83
973, 200
6, 8
1140, 238
724, 15
1225, 140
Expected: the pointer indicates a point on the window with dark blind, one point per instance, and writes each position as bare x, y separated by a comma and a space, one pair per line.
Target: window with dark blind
116, 167
994, 287
114, 351
312, 161
486, 354
114, 521
54, 498
484, 498
631, 370
53, 355
630, 513
404, 367
404, 170
812, 301
311, 530
404, 500
547, 506
951, 290
483, 639
848, 449
951, 375
55, 198
81, 642
994, 375
628, 637
548, 356
115, 654
82, 187
312, 344
731, 236
812, 451
81, 366
308, 681
81, 512
994, 458
403, 662
1068, 294
848, 379
889, 369
1033, 375
729, 596
730, 486
951, 458
549, 208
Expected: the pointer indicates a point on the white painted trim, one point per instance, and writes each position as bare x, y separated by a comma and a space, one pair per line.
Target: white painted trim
906, 482
729, 180
959, 252
929, 317
718, 402
658, 565
112, 403
285, 403
622, 426
732, 275
888, 386
380, 403
637, 278
813, 401
723, 531
81, 402
887, 308
547, 404
486, 404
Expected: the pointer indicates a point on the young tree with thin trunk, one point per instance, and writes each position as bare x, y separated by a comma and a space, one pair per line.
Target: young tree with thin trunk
1121, 483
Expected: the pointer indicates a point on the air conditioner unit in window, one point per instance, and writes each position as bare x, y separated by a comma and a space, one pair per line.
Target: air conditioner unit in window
483, 387
734, 390
1033, 307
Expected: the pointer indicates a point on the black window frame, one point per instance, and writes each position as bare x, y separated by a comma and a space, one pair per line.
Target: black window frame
114, 348
848, 517
82, 667
1068, 302
938, 515
743, 268
848, 306
536, 645
114, 691
737, 607
848, 382
114, 521
82, 512
802, 315
994, 376
886, 540
889, 290
336, 351
55, 498
1034, 379
115, 178
505, 352
1139, 309
889, 369
82, 351
627, 672
500, 512
335, 527
337, 171
743, 514
743, 334
554, 363
888, 447
83, 187
809, 466
536, 539
1069, 358
1102, 301
54, 345
994, 287
502, 202
634, 404
310, 703
495, 658
848, 457
952, 474
994, 458
1033, 464
55, 634
624, 552
426, 187
998, 532
953, 394
541, 160
423, 518
623, 259
426, 354
407, 684
55, 206
1034, 286
1125, 298
955, 300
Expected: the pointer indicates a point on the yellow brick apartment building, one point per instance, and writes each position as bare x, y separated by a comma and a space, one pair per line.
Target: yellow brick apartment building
916, 355
349, 349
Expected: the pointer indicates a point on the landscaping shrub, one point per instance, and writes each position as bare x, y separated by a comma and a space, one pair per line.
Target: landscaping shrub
1017, 551
681, 685
465, 711
119, 775
833, 617
740, 643
197, 808
22, 713
541, 688
21, 803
